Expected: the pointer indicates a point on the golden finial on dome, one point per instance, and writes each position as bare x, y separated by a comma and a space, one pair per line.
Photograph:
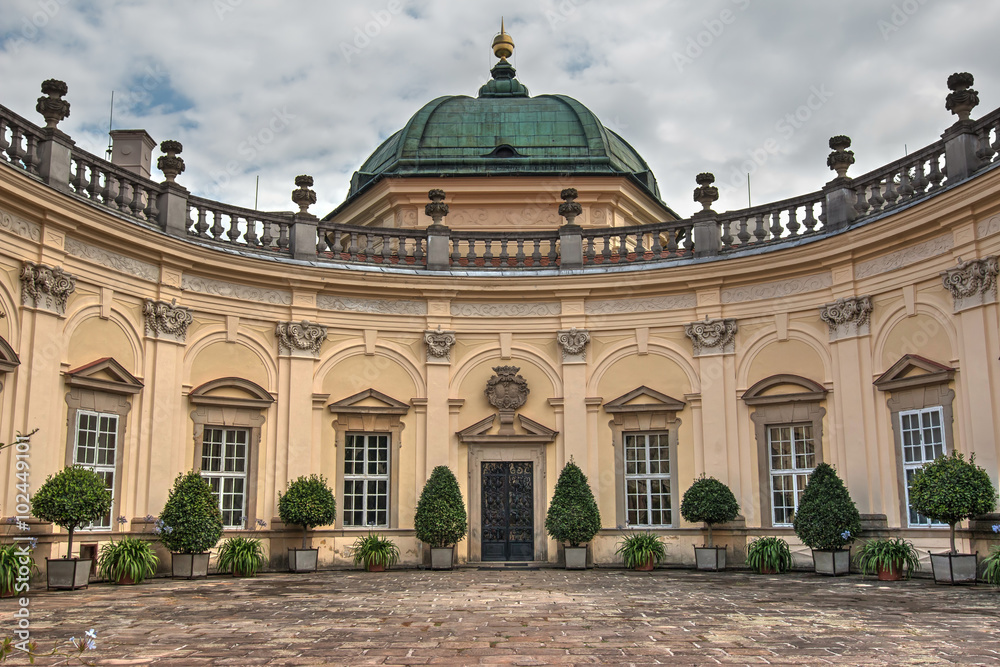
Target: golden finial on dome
503, 44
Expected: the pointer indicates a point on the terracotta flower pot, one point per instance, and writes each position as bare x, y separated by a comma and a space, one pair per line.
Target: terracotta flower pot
892, 573
125, 580
645, 567
375, 567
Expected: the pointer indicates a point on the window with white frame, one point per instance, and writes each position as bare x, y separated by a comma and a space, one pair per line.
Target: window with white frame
647, 479
96, 448
922, 439
366, 479
224, 465
792, 454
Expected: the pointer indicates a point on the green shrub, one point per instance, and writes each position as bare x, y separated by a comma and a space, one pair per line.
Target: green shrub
991, 567
243, 556
573, 516
308, 502
129, 557
72, 498
636, 549
769, 553
886, 554
711, 501
10, 562
827, 518
440, 519
950, 489
373, 549
192, 513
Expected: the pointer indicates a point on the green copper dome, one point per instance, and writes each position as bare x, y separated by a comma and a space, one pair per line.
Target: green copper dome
504, 132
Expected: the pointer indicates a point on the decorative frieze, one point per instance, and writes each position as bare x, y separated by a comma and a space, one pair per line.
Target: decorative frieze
712, 336
848, 317
573, 343
622, 306
235, 291
439, 345
304, 336
374, 306
166, 320
972, 283
112, 260
505, 309
46, 287
905, 257
777, 289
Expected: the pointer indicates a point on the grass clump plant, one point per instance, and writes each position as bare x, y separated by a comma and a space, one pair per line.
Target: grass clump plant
766, 555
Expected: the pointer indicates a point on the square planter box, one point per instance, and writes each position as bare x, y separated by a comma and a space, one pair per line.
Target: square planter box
576, 558
442, 558
68, 573
954, 568
189, 566
303, 560
832, 562
712, 559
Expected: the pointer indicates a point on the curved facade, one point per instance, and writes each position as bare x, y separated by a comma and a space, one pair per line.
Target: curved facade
146, 332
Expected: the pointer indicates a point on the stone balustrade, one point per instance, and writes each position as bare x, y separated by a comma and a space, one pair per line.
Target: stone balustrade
47, 154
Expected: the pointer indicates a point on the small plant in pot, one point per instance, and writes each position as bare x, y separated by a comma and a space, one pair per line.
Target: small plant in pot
769, 555
72, 498
193, 514
890, 559
440, 519
13, 557
991, 564
827, 519
243, 555
573, 517
950, 489
375, 552
129, 560
640, 551
710, 501
308, 502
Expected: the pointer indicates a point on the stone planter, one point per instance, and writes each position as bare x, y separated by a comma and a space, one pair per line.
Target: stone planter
442, 558
189, 566
68, 573
832, 562
576, 558
955, 568
712, 559
303, 560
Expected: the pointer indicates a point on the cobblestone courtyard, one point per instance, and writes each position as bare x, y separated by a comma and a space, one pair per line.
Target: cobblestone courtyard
534, 617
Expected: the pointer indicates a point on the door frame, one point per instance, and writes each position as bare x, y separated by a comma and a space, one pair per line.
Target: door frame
479, 453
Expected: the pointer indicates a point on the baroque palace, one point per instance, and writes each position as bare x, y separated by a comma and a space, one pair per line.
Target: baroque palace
544, 305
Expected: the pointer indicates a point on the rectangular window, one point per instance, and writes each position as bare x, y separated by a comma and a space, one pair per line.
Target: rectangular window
97, 448
224, 465
923, 441
792, 455
366, 480
647, 479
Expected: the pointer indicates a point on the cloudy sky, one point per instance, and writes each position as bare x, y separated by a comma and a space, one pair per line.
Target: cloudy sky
256, 88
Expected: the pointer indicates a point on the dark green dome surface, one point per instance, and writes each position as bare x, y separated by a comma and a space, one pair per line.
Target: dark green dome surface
504, 132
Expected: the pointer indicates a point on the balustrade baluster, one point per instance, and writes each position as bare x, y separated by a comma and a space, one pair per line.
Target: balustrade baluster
890, 194
606, 248
321, 241
121, 203
79, 177
591, 254
488, 254
657, 249
861, 205
776, 229
936, 175
919, 181
519, 257
759, 232
418, 250
266, 238
672, 242
216, 225
456, 254
15, 151
905, 190
250, 235
95, 182
553, 252
792, 225
743, 235
234, 228
727, 238
996, 144
876, 200
623, 247
536, 255
136, 204
152, 212
4, 144
108, 191
983, 150
471, 255
201, 227
504, 257
640, 249
31, 155
282, 235
353, 248
386, 248
337, 247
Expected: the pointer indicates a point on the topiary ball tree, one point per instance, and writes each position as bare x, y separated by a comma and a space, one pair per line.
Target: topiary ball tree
827, 518
192, 514
950, 489
573, 516
71, 499
440, 519
711, 501
308, 502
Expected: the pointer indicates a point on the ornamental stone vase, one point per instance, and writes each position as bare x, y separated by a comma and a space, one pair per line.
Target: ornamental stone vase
442, 558
68, 573
303, 560
576, 558
954, 568
189, 566
832, 562
712, 559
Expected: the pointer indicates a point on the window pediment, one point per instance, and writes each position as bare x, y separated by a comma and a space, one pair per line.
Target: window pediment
644, 399
533, 433
231, 391
914, 371
105, 375
8, 357
768, 390
369, 402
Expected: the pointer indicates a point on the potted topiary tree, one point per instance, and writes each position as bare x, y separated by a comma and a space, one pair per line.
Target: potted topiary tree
950, 489
195, 521
308, 502
72, 498
440, 519
573, 517
711, 501
826, 520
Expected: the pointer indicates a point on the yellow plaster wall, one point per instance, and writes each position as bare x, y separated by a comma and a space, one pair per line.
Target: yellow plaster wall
920, 334
218, 360
95, 338
790, 356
